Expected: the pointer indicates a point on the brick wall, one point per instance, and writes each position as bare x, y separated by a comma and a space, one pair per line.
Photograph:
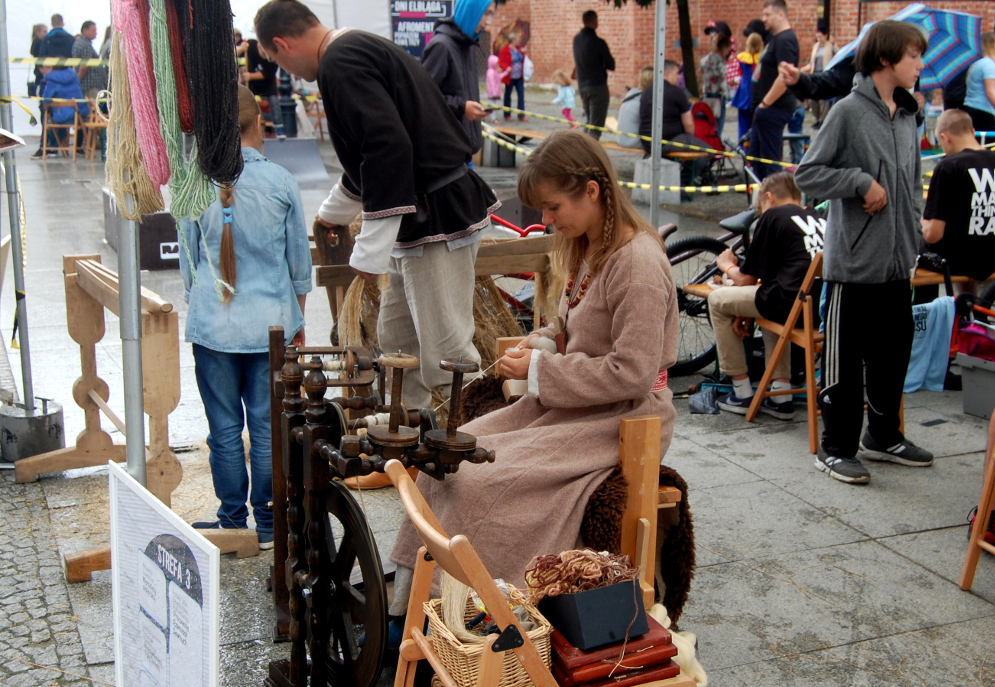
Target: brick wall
849, 15
629, 30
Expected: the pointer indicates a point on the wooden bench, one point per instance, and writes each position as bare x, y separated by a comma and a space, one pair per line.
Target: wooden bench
687, 156
928, 278
494, 257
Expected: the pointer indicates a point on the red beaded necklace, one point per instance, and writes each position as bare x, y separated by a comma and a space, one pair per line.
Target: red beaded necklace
572, 302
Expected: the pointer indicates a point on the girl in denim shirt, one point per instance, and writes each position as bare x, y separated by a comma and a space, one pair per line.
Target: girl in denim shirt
246, 266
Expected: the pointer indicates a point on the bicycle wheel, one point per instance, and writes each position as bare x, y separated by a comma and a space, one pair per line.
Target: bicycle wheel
692, 260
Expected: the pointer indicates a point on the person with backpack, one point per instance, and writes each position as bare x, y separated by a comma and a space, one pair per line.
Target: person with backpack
60, 84
748, 60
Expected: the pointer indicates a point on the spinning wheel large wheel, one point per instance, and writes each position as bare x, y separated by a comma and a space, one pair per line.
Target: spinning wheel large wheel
357, 614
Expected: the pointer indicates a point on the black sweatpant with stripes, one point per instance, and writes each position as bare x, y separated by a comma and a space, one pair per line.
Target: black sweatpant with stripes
868, 343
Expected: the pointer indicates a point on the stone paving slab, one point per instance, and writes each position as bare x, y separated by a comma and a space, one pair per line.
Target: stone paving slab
953, 654
937, 551
760, 520
702, 468
757, 610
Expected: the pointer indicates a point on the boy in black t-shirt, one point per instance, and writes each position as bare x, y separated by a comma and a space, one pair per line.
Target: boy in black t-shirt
959, 219
786, 239
772, 102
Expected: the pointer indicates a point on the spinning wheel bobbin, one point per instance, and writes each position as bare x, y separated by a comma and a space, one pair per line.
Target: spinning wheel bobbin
395, 435
450, 439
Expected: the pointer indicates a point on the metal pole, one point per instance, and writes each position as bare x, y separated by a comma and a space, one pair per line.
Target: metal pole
657, 126
13, 205
130, 306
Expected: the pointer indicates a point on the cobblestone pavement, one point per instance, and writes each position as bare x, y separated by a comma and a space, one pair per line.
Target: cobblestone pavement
37, 626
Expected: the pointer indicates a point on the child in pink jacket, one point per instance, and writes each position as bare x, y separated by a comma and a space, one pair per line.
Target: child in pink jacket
494, 77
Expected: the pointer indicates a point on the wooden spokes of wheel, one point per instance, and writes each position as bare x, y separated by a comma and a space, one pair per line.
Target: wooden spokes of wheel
357, 614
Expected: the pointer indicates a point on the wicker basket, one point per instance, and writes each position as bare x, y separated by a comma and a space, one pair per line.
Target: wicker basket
462, 661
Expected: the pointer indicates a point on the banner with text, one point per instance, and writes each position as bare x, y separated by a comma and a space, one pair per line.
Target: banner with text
165, 592
412, 22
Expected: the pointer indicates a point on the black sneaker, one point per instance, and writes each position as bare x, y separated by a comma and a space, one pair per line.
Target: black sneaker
733, 403
904, 453
39, 155
782, 411
849, 470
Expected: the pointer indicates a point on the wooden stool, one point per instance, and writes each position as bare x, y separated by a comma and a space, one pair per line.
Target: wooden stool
977, 541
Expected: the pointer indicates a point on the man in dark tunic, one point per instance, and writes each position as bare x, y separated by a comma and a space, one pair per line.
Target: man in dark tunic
404, 154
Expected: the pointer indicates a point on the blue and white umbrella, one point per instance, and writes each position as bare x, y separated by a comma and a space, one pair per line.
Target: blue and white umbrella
954, 42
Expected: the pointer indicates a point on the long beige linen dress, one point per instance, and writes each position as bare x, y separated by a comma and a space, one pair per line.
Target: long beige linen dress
553, 451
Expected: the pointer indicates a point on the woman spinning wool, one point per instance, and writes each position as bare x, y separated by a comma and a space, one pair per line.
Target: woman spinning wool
560, 441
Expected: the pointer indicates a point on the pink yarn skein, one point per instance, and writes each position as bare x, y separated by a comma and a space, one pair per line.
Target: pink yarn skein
127, 19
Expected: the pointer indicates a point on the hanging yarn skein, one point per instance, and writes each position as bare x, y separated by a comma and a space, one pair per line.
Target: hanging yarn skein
176, 13
190, 196
141, 83
213, 78
125, 172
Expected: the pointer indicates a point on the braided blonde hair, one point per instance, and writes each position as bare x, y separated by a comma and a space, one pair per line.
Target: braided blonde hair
248, 116
566, 161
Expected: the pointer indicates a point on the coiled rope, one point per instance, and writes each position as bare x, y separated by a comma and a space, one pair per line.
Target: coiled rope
214, 89
125, 172
192, 192
128, 20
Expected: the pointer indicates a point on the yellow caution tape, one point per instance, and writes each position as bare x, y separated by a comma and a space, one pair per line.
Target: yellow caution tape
602, 129
60, 61
725, 188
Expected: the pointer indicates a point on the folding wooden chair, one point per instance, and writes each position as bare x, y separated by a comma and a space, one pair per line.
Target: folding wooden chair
458, 558
977, 541
92, 126
68, 144
809, 339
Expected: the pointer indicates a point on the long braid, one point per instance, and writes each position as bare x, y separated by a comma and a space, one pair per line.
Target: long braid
608, 229
227, 259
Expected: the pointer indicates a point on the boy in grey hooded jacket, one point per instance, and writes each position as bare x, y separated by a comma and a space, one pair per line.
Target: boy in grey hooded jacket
865, 161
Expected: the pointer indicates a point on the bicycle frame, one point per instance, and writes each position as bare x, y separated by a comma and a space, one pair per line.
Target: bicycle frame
532, 228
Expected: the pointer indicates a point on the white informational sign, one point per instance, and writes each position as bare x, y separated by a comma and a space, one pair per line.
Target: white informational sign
165, 592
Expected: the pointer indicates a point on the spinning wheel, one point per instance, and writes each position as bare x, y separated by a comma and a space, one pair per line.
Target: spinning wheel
357, 614
337, 593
